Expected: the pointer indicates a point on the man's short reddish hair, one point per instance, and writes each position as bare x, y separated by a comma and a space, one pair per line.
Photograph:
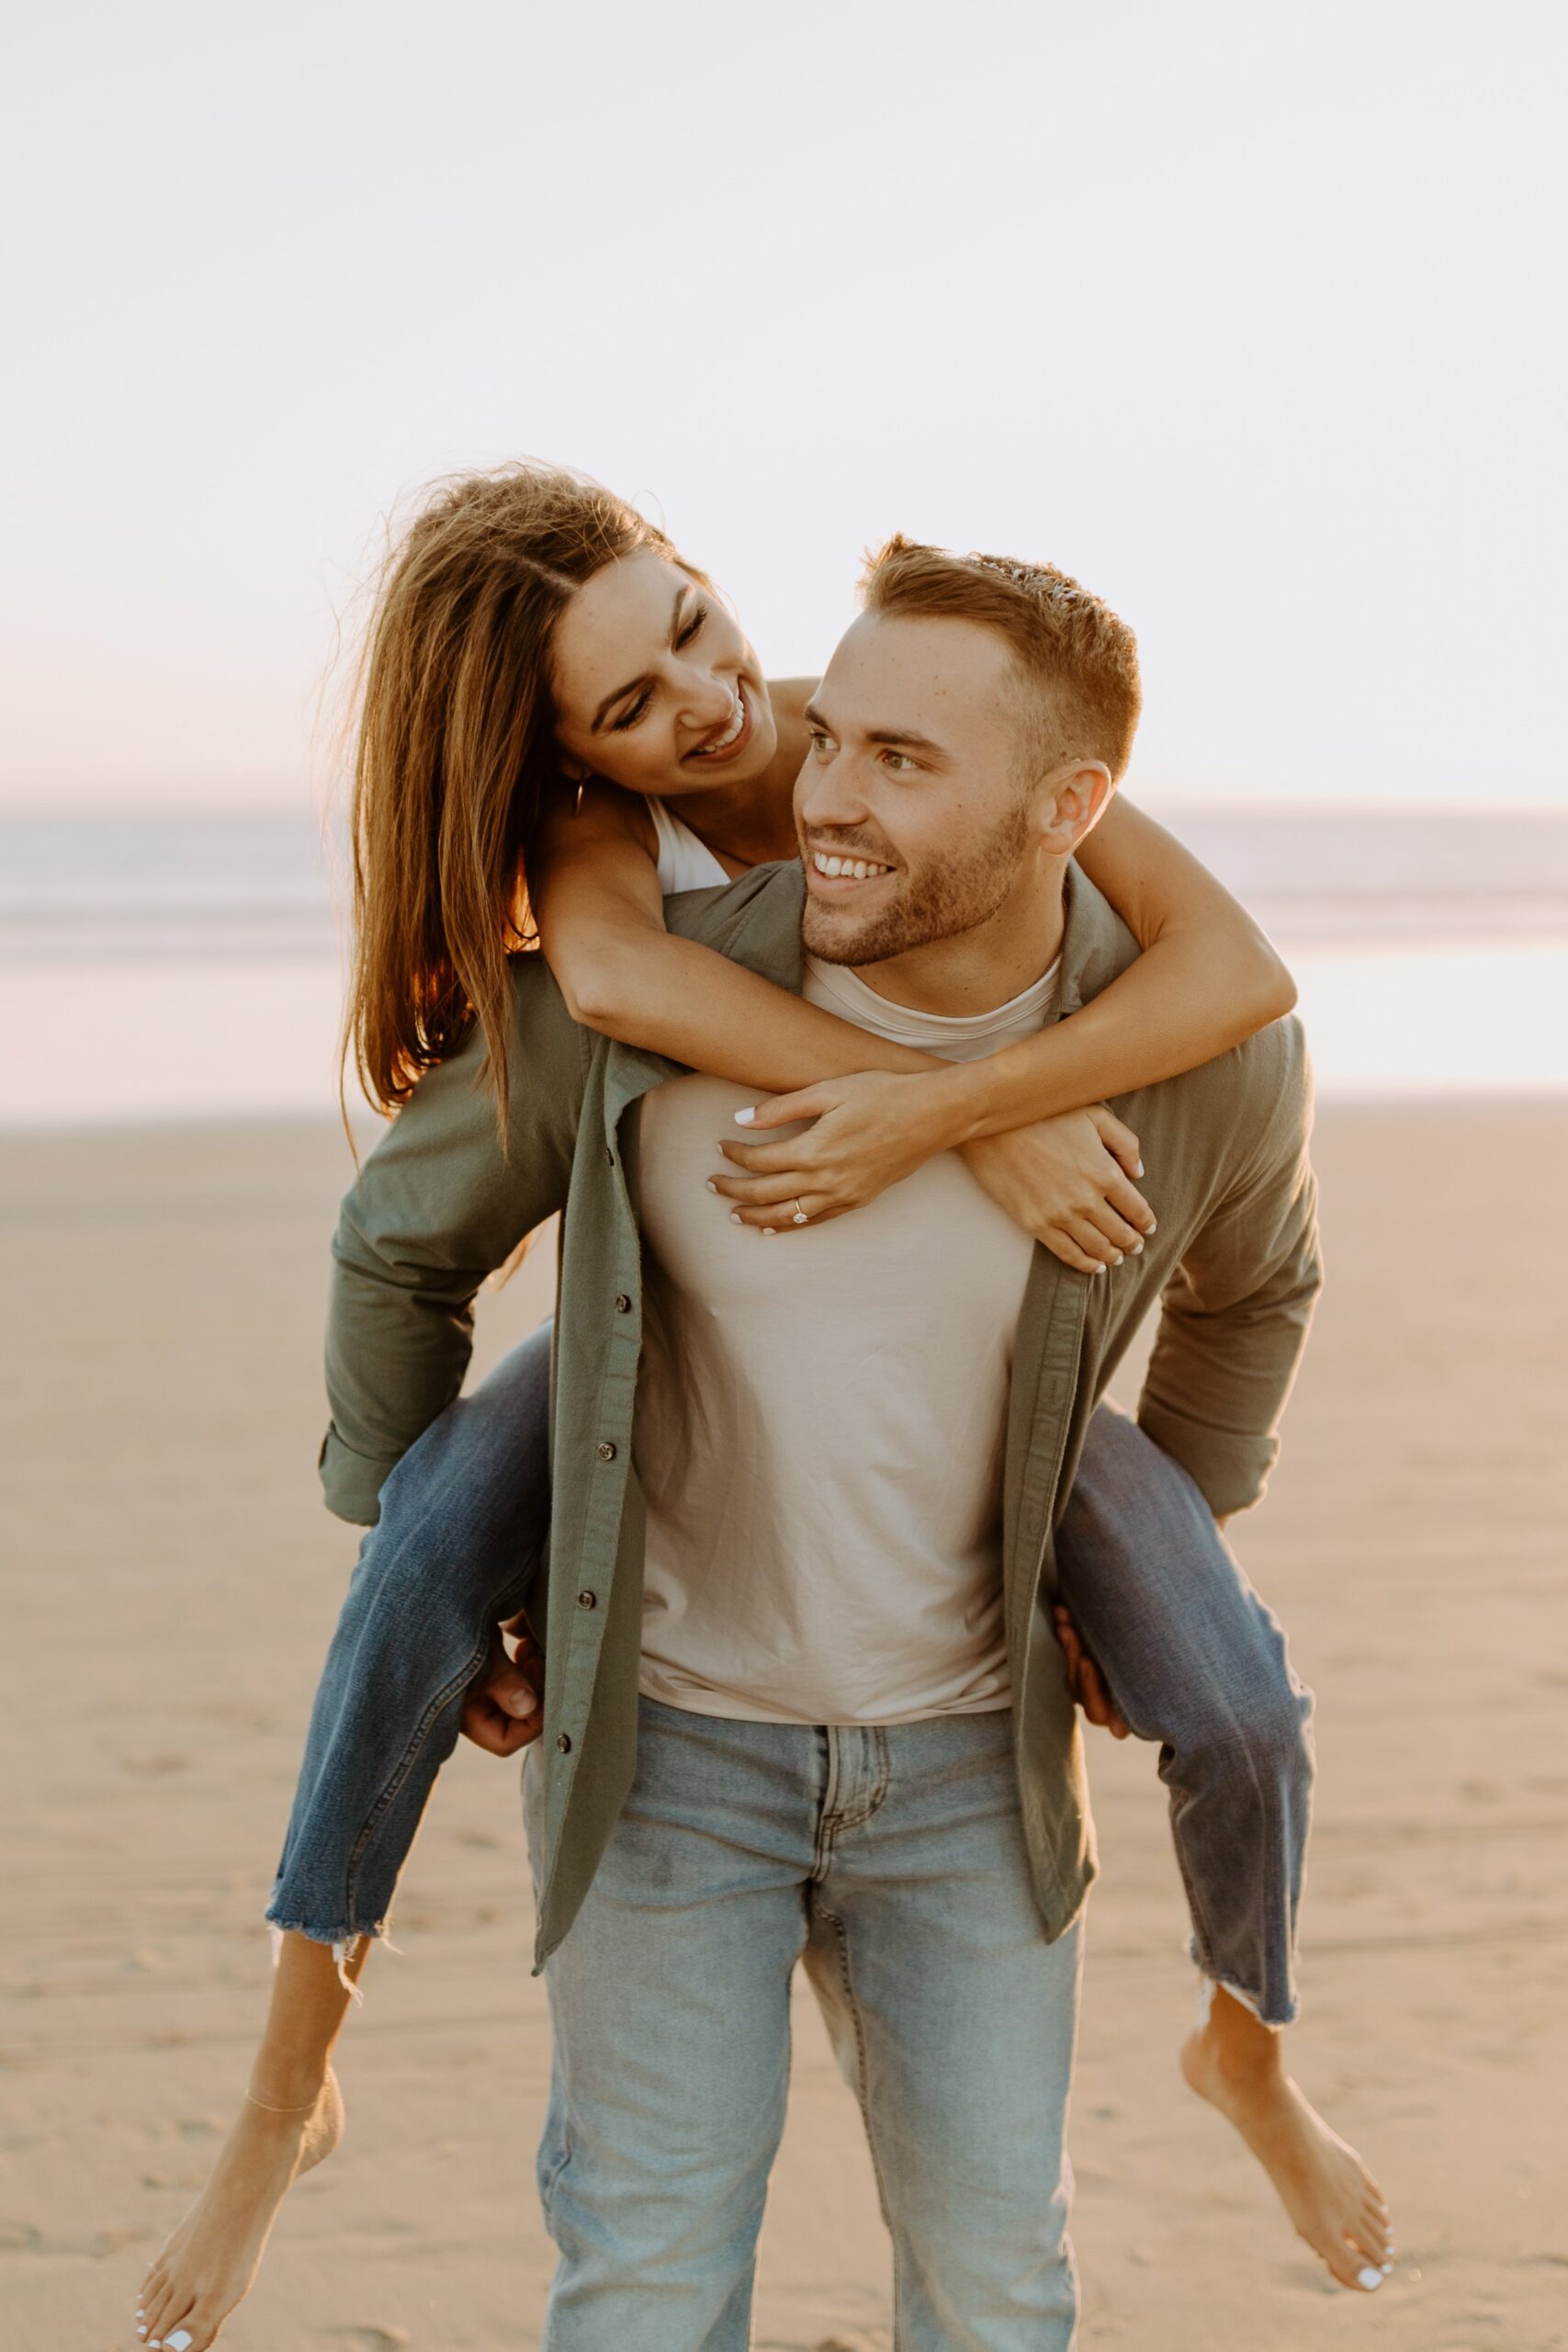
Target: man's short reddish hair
1077, 659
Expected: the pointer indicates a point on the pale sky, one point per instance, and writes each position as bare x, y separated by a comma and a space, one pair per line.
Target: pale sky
1249, 315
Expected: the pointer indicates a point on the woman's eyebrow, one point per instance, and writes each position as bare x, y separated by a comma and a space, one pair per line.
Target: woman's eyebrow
608, 705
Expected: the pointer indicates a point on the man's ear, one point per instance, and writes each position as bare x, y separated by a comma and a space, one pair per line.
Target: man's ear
1074, 799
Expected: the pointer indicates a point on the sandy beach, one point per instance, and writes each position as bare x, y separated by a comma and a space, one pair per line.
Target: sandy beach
171, 1578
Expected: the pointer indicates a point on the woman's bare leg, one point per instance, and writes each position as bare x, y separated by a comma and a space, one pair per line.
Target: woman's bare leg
1162, 1636
291, 2117
1337, 2207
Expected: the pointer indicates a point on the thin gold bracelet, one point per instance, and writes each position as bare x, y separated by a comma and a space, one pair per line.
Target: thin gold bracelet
262, 2103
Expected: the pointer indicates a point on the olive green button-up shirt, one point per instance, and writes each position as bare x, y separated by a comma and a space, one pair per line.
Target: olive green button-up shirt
440, 1204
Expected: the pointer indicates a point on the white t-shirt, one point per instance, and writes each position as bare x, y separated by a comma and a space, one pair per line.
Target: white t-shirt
821, 1416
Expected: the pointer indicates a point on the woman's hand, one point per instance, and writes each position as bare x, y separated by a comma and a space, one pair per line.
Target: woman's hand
1068, 1181
865, 1132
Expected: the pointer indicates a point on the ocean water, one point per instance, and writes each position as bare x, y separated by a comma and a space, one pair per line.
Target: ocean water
170, 966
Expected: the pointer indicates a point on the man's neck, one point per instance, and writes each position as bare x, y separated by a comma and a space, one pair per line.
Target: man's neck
974, 971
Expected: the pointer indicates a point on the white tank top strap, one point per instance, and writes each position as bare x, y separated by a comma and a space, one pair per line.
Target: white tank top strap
684, 862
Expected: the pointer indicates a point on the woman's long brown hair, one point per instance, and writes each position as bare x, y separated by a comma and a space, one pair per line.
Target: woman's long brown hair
454, 761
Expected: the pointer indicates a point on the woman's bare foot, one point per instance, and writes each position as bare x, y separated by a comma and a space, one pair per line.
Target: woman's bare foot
1238, 2066
210, 2264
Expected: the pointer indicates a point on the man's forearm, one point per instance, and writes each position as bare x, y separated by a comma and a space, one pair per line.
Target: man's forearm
395, 1360
440, 1203
1216, 1389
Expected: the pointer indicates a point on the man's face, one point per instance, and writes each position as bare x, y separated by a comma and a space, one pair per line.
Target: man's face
917, 781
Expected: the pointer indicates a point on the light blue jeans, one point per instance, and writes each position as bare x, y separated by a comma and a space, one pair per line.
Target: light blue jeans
891, 1862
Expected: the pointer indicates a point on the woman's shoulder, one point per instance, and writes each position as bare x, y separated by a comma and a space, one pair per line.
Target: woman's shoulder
596, 813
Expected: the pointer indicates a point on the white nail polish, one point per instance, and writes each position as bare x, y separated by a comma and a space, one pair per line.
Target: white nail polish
734, 1217
1369, 2278
768, 1232
712, 1186
181, 2340
744, 1118
1140, 1167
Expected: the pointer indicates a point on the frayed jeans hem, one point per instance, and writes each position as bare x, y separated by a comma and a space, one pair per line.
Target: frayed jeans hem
340, 1943
1214, 1981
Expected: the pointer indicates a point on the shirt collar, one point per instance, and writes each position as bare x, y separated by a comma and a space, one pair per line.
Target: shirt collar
1096, 944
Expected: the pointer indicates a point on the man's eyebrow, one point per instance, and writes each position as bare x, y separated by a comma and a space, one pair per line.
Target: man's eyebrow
900, 739
608, 705
905, 739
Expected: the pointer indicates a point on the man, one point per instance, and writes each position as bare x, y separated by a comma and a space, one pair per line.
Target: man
804, 1695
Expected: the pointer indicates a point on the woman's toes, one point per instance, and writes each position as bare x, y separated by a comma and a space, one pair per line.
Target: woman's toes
1344, 2261
165, 2311
1375, 2237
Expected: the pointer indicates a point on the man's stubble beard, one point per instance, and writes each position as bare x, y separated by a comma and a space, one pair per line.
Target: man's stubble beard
939, 903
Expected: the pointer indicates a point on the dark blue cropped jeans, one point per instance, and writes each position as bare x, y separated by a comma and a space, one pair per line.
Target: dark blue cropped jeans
1195, 1660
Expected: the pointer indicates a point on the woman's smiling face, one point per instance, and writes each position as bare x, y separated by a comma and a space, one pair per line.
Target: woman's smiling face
656, 689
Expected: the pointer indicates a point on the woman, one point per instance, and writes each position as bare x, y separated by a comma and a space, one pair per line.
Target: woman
552, 695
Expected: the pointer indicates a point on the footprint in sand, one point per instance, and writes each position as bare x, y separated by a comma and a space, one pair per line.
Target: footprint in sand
372, 2339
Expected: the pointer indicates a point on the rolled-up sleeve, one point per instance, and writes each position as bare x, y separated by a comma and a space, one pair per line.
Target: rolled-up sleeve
351, 1482
440, 1203
1234, 1319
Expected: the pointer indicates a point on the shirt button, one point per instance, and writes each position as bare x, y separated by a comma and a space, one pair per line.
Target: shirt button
606, 1451
564, 1743
588, 1601
623, 1304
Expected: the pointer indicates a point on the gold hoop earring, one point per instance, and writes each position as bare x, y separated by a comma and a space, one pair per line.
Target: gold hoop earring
576, 804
